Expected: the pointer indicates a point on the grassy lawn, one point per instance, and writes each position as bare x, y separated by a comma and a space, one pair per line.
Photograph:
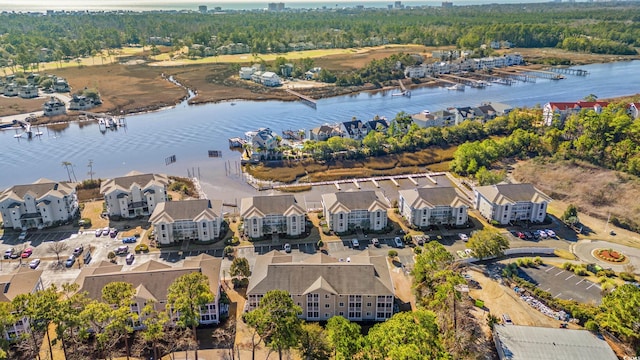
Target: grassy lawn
92, 210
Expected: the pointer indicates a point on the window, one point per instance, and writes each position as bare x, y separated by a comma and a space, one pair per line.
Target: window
378, 214
341, 313
255, 221
341, 304
162, 227
326, 296
340, 217
204, 225
369, 304
326, 306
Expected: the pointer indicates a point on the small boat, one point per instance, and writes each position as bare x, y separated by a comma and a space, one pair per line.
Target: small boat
457, 87
233, 104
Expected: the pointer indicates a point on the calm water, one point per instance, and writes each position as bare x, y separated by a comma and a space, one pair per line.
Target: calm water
190, 131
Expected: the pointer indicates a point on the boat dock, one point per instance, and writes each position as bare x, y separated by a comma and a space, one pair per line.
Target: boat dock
236, 142
404, 91
516, 75
305, 99
539, 73
569, 71
464, 81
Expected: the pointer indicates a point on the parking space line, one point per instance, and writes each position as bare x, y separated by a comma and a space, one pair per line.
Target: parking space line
560, 272
590, 286
581, 280
569, 277
558, 295
549, 269
548, 289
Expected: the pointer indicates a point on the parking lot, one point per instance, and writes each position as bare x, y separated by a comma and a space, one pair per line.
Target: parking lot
563, 284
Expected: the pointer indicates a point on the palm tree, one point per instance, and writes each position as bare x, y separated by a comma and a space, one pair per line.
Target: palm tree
66, 164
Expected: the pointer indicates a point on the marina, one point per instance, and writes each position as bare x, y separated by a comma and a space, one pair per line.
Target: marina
151, 137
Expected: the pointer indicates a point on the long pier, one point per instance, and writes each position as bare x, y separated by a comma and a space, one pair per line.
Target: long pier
516, 76
494, 79
305, 99
564, 70
374, 180
540, 73
465, 81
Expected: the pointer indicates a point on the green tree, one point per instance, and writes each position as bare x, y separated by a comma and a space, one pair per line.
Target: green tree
95, 319
406, 336
570, 212
276, 320
240, 268
155, 323
620, 312
344, 336
487, 243
186, 295
313, 343
120, 295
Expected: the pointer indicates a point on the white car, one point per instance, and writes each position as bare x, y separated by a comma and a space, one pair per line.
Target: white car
543, 234
34, 263
287, 248
463, 237
398, 242
551, 233
22, 236
355, 243
375, 242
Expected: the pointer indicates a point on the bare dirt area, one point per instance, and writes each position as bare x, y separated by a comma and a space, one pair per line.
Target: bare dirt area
600, 193
499, 299
16, 105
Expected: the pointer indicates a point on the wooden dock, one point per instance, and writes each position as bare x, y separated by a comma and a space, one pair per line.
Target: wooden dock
539, 73
305, 99
564, 70
374, 180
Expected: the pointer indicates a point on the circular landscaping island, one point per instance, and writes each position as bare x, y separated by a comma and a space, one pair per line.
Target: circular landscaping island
609, 255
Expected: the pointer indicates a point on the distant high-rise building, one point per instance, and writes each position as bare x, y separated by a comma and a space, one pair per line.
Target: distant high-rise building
275, 7
447, 4
398, 5
202, 9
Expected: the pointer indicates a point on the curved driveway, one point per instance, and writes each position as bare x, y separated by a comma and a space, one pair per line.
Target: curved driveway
583, 250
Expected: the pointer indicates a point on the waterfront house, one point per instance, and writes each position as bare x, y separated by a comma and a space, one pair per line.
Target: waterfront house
246, 72
354, 129
11, 89
325, 131
32, 79
428, 206
352, 210
22, 281
439, 118
486, 112
61, 85
506, 203
54, 106
275, 214
415, 71
176, 221
38, 205
134, 194
500, 109
151, 281
461, 114
28, 91
633, 109
359, 289
80, 102
561, 110
286, 70
265, 139
377, 124
269, 78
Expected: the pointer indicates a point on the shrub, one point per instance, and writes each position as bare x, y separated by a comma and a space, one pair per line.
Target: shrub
144, 247
86, 222
538, 261
627, 277
392, 253
320, 243
228, 250
111, 255
580, 270
606, 272
568, 266
592, 326
137, 248
417, 250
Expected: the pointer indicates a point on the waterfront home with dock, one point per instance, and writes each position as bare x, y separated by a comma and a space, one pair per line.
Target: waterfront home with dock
53, 107
176, 221
275, 214
429, 206
346, 211
325, 131
38, 205
359, 289
506, 203
134, 194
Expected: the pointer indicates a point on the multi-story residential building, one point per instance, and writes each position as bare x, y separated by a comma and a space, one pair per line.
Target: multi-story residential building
433, 206
325, 131
23, 281
151, 281
561, 110
28, 91
281, 214
54, 106
377, 124
354, 129
506, 203
134, 194
175, 221
359, 289
439, 118
38, 205
345, 211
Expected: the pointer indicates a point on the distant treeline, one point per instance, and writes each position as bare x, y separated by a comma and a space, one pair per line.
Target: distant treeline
605, 28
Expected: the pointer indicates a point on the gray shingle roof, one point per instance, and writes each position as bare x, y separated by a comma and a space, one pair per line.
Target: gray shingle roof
187, 210
433, 196
365, 274
355, 200
512, 193
537, 343
38, 189
131, 178
274, 204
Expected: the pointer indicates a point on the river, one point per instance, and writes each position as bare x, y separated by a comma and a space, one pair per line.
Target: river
188, 132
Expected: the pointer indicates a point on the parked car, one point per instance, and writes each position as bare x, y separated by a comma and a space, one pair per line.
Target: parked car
506, 319
121, 250
22, 236
105, 231
463, 237
129, 259
287, 248
375, 242
129, 240
70, 261
34, 263
98, 232
528, 235
8, 253
543, 234
113, 233
398, 242
551, 233
77, 251
355, 243
520, 235
26, 253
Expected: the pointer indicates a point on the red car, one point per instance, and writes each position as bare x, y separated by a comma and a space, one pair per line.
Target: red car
521, 235
27, 252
